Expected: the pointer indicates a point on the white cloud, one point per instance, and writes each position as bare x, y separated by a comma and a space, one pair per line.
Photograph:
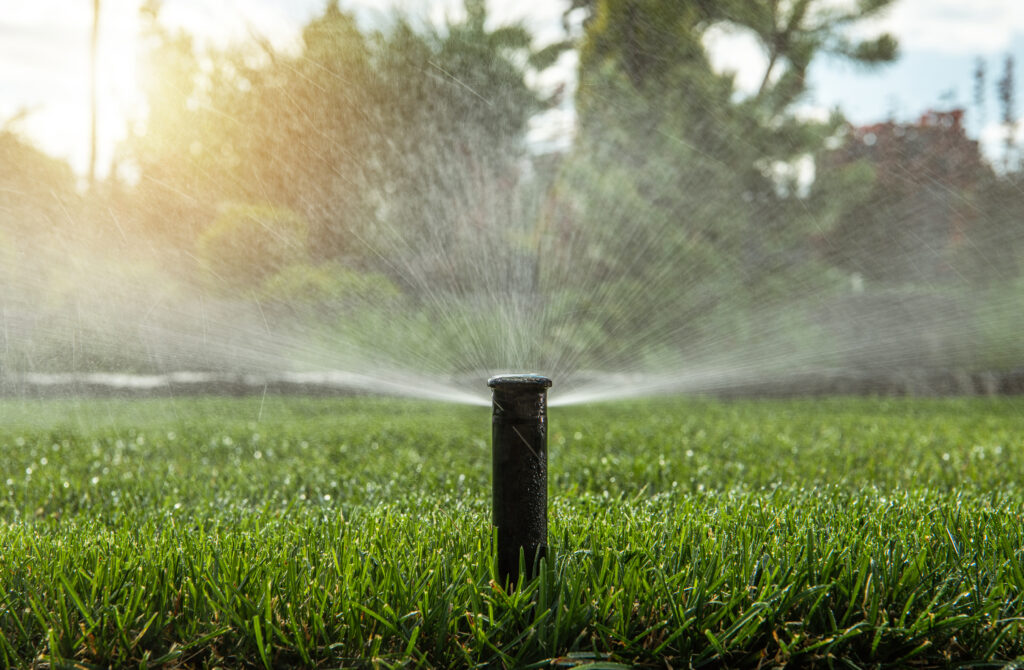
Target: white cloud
970, 27
50, 12
736, 50
542, 17
992, 140
812, 112
44, 67
953, 26
552, 130
223, 23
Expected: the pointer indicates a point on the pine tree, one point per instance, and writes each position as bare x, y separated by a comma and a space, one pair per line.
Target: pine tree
1007, 92
93, 56
980, 82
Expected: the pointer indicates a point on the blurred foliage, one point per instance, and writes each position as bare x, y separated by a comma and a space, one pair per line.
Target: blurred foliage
308, 291
905, 200
36, 190
246, 244
321, 189
995, 239
703, 176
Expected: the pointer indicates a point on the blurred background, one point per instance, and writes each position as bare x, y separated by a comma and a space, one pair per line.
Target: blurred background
687, 195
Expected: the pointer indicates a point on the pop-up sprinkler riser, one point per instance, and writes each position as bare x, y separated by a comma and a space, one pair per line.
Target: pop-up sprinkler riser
520, 472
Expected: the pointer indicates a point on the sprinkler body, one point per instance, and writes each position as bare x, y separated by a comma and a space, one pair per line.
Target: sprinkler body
519, 451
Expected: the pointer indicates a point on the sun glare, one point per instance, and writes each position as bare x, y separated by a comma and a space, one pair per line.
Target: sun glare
118, 79
59, 118
59, 112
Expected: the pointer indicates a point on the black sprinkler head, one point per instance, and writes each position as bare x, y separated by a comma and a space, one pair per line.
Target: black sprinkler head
519, 449
523, 381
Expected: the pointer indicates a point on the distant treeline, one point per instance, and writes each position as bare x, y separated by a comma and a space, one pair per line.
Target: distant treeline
377, 195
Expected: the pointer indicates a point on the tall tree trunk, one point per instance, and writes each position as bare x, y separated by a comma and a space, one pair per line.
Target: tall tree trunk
93, 54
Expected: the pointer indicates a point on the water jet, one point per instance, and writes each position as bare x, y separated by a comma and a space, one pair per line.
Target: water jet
519, 453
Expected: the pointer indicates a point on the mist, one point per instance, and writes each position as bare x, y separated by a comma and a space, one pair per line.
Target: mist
367, 213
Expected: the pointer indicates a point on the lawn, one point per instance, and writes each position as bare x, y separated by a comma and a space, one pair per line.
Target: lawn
355, 532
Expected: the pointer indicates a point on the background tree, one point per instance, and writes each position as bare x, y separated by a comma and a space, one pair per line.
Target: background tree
454, 106
254, 127
176, 193
399, 154
704, 178
980, 85
300, 130
1007, 93
908, 194
94, 41
37, 200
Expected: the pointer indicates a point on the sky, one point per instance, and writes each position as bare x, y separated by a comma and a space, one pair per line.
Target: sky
44, 60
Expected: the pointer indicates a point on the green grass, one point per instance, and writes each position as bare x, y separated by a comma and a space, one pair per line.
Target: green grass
355, 532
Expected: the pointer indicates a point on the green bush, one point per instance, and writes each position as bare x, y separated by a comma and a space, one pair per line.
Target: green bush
247, 244
999, 315
325, 288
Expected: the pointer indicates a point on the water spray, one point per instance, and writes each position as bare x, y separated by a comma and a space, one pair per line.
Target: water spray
519, 454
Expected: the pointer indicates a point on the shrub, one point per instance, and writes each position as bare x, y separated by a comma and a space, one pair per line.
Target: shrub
249, 243
324, 289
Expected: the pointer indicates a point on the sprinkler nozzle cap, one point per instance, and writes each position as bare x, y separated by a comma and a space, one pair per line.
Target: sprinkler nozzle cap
525, 382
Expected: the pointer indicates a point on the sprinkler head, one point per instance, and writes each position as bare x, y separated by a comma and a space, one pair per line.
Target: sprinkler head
520, 387
519, 380
519, 450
